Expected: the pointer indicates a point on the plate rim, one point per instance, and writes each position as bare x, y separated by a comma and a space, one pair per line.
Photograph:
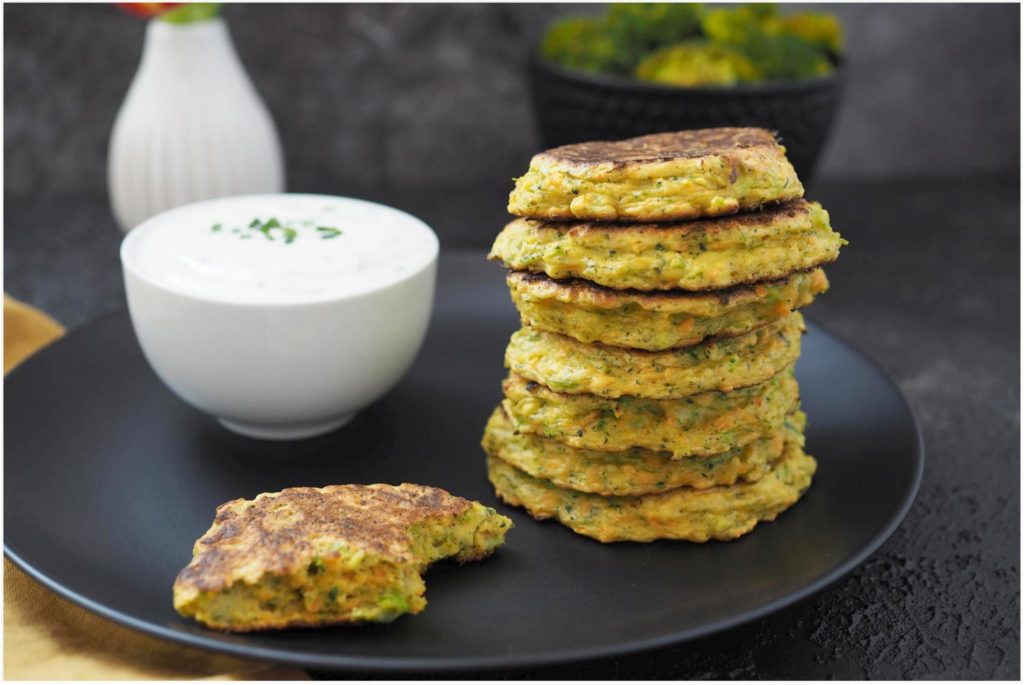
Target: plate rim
365, 664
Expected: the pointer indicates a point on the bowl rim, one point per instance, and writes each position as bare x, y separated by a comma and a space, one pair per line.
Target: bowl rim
628, 83
130, 267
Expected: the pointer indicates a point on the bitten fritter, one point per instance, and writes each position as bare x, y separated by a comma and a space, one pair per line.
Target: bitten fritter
337, 554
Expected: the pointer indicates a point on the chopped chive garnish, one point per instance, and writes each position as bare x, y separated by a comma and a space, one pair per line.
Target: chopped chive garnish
327, 232
272, 228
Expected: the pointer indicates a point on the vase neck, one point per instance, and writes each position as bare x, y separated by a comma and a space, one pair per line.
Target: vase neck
188, 47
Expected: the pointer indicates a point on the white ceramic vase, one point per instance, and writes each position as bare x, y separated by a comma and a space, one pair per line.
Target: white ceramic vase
191, 128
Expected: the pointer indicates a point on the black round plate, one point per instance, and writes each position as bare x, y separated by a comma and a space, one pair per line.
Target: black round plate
109, 479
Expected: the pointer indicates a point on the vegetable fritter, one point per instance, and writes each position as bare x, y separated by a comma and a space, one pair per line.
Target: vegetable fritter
659, 177
337, 554
718, 513
635, 471
657, 320
698, 425
709, 254
566, 365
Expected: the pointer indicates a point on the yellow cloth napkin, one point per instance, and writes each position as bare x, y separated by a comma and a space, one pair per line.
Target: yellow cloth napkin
26, 329
48, 638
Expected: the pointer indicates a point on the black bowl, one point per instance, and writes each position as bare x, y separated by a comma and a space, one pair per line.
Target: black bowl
575, 106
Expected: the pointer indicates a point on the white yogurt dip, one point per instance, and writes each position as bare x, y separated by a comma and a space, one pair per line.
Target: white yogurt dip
279, 249
281, 315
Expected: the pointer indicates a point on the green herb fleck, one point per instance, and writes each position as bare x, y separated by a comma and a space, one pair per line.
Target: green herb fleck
276, 230
327, 232
289, 235
316, 566
272, 224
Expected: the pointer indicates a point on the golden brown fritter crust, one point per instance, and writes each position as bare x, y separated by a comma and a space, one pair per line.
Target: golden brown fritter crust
660, 147
276, 533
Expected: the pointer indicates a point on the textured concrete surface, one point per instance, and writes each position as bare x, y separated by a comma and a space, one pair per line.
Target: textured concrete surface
367, 96
929, 288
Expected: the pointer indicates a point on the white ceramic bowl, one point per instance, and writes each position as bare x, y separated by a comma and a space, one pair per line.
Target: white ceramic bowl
297, 361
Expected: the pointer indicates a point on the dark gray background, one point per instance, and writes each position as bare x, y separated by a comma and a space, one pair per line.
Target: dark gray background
397, 96
425, 107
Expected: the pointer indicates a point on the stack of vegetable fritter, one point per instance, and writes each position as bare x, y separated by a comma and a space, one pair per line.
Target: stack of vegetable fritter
651, 391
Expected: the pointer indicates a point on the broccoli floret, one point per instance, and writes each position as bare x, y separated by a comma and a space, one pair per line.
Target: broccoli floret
580, 43
786, 57
638, 29
731, 26
759, 12
777, 55
616, 42
823, 30
697, 63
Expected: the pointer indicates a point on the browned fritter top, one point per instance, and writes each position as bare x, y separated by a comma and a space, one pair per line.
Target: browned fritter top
277, 533
662, 146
